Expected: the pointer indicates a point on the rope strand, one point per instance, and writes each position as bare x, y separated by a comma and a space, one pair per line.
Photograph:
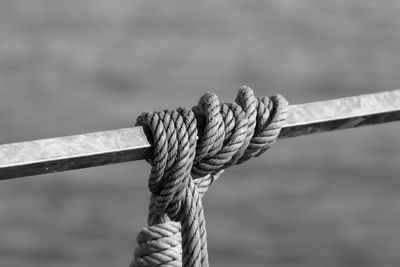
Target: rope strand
191, 150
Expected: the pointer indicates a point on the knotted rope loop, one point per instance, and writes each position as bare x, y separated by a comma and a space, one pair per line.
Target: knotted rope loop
174, 191
175, 143
211, 140
191, 149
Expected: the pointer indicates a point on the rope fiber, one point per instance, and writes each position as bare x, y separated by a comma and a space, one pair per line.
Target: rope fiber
191, 150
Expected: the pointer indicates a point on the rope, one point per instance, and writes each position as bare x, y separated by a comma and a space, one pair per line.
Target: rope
191, 149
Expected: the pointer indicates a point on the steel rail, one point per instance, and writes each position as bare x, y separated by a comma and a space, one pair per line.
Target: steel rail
129, 144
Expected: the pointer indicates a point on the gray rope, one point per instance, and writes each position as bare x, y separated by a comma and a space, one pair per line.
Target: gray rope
191, 149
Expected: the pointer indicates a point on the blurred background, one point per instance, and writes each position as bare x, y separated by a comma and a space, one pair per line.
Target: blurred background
70, 67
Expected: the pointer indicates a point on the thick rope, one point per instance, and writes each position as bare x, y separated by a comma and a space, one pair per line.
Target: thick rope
191, 149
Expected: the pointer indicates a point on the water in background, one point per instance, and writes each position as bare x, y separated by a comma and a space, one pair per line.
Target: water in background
69, 67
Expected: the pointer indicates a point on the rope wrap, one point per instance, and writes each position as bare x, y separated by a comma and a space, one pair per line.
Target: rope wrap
191, 149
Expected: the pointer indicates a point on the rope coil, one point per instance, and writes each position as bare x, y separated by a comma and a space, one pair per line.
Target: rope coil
191, 149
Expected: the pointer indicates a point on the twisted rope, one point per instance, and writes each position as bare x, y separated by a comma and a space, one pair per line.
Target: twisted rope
191, 149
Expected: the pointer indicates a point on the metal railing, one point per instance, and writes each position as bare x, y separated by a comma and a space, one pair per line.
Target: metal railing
122, 145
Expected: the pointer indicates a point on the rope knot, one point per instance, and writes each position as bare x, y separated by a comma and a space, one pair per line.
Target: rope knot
191, 149
175, 136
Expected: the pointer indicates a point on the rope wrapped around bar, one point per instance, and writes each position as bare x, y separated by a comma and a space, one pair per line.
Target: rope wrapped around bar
191, 149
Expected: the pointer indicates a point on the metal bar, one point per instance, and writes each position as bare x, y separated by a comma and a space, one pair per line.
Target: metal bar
342, 113
122, 145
